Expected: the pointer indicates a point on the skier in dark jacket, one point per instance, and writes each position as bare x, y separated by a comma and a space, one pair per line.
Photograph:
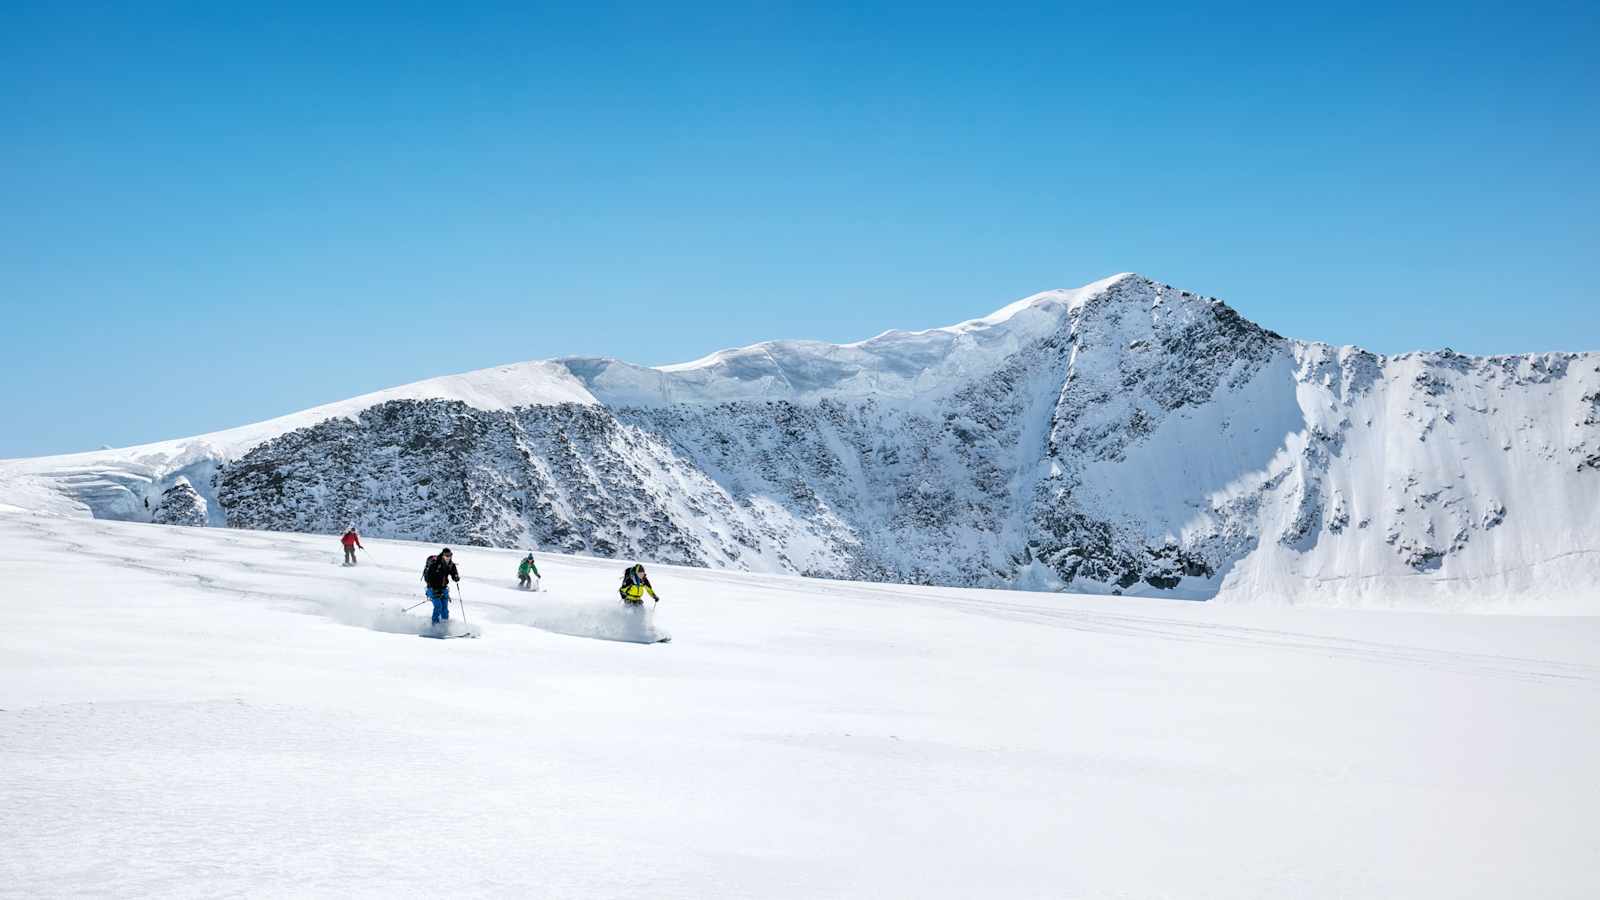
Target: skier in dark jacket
634, 585
438, 573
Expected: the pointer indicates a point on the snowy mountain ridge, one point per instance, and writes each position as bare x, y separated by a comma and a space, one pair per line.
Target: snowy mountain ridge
903, 365
1124, 437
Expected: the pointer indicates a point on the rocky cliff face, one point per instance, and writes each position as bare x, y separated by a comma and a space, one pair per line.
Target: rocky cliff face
1126, 437
1151, 441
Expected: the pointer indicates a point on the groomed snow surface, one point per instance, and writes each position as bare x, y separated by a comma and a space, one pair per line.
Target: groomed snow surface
212, 712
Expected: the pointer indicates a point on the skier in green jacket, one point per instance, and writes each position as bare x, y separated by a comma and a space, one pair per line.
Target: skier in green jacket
527, 570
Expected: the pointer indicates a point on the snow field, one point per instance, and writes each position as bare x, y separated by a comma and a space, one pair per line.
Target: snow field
205, 712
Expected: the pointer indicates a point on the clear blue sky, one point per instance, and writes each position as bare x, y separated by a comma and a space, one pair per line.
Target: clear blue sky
210, 214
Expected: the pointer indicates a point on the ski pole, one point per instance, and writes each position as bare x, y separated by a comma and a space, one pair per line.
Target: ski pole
462, 596
414, 606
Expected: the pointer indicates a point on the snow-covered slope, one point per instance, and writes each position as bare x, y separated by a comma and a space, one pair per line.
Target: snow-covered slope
191, 712
114, 483
1124, 437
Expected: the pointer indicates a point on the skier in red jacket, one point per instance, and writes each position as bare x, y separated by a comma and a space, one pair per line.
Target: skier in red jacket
351, 541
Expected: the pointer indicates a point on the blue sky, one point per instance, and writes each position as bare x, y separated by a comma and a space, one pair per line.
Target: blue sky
211, 216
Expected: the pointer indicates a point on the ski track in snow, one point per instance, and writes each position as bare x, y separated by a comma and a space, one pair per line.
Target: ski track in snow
542, 609
611, 621
188, 712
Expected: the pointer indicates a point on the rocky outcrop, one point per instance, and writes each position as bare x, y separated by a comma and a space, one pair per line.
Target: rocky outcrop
181, 504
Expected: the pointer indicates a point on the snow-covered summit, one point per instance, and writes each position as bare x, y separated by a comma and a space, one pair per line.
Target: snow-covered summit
1045, 303
896, 365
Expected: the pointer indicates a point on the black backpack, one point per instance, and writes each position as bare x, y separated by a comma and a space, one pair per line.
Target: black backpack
427, 567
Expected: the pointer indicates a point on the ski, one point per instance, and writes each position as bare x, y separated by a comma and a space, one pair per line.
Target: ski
629, 640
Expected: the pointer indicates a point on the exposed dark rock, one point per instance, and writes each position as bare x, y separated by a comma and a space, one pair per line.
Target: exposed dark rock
181, 504
1000, 480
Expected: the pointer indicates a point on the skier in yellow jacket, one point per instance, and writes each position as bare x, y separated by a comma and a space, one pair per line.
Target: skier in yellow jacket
635, 584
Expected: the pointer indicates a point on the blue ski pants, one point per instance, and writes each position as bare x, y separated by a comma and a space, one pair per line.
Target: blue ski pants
441, 603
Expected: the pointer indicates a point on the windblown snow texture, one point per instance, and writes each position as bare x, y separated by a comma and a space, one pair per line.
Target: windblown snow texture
1123, 437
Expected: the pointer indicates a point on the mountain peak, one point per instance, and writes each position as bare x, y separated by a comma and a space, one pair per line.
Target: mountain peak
901, 364
1066, 299
1050, 305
